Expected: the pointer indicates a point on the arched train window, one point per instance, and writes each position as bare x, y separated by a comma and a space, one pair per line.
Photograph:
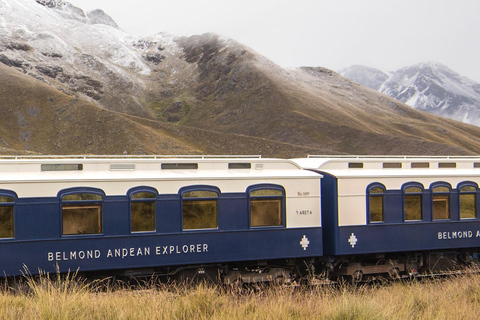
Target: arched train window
81, 213
7, 204
200, 209
266, 206
440, 201
412, 202
142, 211
376, 195
468, 201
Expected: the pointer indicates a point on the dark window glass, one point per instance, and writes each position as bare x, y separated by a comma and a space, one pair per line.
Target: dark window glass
142, 210
441, 203
200, 194
6, 199
179, 166
6, 221
413, 203
447, 165
266, 208
61, 167
392, 165
239, 166
266, 192
420, 165
85, 219
144, 195
355, 165
81, 214
6, 217
200, 210
468, 202
375, 204
82, 197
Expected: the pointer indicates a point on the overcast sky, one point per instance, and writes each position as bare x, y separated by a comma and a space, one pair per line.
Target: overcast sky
329, 33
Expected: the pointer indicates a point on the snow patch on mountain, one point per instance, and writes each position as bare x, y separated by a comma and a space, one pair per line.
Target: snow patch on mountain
85, 54
69, 11
99, 17
427, 86
370, 77
54, 32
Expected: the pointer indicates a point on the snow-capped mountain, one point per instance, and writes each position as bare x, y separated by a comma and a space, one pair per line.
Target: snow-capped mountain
428, 86
370, 77
79, 53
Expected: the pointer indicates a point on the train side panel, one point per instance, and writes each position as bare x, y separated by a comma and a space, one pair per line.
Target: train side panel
40, 242
350, 230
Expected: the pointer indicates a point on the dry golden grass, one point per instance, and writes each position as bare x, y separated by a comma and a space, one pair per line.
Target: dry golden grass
69, 298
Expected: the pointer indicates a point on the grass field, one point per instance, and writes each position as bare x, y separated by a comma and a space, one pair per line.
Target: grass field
45, 298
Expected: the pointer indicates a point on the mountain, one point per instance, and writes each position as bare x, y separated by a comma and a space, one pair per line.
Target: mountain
428, 86
73, 83
370, 77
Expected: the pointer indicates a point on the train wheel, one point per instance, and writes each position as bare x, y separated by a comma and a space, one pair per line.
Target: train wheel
394, 273
357, 276
279, 280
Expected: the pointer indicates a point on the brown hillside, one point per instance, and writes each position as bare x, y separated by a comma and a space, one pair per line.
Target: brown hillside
37, 118
200, 95
244, 93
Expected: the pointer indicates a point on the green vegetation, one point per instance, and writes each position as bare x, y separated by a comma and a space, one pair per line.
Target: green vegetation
70, 298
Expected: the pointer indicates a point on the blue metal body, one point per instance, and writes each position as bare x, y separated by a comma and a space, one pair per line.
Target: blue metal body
39, 244
395, 234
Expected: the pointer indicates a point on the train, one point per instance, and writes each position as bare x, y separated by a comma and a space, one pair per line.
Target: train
239, 219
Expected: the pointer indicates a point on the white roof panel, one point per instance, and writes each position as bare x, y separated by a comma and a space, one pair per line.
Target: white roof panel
395, 166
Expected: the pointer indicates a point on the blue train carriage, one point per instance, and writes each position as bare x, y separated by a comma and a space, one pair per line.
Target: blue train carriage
247, 219
399, 215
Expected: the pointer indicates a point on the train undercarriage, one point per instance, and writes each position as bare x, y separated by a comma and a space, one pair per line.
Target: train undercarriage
401, 265
355, 269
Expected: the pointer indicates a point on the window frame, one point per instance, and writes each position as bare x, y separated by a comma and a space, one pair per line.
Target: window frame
282, 198
441, 184
13, 195
131, 200
97, 203
188, 189
421, 194
474, 193
382, 195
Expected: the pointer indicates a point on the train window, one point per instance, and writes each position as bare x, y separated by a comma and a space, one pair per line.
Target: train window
199, 209
412, 203
6, 217
122, 166
392, 165
61, 167
420, 165
82, 197
142, 211
441, 203
81, 213
468, 202
447, 165
179, 166
355, 165
375, 204
239, 166
266, 208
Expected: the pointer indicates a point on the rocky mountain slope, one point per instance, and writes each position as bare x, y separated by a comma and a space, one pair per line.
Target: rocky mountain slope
429, 86
73, 82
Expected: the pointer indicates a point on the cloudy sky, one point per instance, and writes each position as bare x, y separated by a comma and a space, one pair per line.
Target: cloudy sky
330, 33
